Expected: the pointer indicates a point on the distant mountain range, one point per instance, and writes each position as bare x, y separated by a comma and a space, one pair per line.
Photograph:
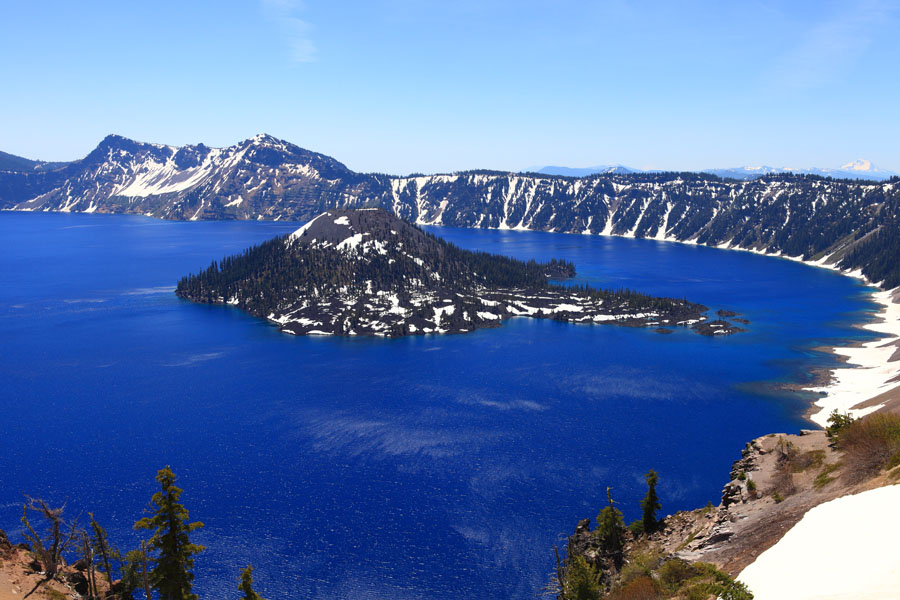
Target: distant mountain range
849, 223
583, 172
858, 169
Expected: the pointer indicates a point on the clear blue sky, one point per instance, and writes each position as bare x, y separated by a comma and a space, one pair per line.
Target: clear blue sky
416, 85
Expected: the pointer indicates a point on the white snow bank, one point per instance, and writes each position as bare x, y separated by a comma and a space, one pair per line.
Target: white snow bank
868, 373
302, 230
843, 549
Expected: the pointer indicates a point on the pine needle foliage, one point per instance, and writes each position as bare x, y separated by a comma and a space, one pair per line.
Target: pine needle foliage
246, 585
172, 573
610, 531
650, 504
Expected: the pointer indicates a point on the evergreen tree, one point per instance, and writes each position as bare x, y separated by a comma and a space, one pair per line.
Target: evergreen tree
171, 575
246, 585
650, 503
582, 581
611, 531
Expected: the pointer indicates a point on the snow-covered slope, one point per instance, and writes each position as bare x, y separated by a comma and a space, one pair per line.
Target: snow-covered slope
261, 177
845, 549
266, 178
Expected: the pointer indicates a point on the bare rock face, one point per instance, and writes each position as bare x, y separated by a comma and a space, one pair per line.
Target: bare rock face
583, 541
732, 493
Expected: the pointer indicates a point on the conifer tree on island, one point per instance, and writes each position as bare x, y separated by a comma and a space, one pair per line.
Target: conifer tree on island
172, 573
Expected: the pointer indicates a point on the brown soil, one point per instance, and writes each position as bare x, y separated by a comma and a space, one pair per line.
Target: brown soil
732, 537
18, 580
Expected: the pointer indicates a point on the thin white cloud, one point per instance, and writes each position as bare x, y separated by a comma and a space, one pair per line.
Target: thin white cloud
294, 30
832, 46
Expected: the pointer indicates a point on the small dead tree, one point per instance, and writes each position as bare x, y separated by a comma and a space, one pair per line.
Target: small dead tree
100, 545
145, 576
59, 535
88, 553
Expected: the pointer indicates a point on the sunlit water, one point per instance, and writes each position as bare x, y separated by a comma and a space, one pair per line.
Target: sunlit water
425, 467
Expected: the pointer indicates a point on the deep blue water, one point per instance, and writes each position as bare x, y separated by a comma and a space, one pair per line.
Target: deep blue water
427, 467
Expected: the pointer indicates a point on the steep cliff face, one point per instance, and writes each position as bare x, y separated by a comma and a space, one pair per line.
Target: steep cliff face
855, 224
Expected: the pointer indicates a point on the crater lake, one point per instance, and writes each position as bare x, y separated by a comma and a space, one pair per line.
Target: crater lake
420, 467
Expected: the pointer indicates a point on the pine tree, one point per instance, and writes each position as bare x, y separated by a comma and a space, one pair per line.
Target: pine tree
611, 531
246, 585
650, 503
171, 574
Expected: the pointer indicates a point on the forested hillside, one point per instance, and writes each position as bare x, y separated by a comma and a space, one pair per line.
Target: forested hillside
851, 223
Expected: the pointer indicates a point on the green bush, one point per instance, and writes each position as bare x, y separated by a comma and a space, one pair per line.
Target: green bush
837, 422
824, 477
581, 581
676, 571
637, 528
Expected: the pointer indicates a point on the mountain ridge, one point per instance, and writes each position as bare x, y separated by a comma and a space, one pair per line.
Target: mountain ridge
850, 224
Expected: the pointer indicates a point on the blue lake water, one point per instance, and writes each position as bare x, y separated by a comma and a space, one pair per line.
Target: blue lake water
426, 467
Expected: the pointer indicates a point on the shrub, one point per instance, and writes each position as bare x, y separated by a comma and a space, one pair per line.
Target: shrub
808, 460
751, 485
641, 564
783, 481
637, 528
676, 571
718, 583
786, 449
54, 594
582, 581
837, 422
824, 477
642, 588
777, 497
869, 444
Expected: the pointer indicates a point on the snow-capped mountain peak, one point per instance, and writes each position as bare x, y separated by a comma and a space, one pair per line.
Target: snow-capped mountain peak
859, 164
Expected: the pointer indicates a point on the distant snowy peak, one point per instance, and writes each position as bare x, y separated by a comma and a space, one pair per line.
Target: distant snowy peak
583, 171
860, 164
858, 169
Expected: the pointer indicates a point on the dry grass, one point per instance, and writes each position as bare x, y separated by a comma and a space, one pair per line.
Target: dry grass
641, 588
870, 444
808, 460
